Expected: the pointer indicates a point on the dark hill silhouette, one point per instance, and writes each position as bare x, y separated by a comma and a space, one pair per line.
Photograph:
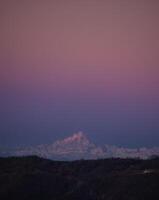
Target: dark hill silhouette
34, 178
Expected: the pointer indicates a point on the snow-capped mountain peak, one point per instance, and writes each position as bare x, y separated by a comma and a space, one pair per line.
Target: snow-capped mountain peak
77, 138
78, 146
76, 143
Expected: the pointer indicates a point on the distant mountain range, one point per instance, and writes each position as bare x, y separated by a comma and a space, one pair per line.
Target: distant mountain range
78, 146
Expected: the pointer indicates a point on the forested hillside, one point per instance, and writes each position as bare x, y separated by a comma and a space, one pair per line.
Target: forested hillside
34, 178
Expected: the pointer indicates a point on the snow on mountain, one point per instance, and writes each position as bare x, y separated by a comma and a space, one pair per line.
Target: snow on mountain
78, 146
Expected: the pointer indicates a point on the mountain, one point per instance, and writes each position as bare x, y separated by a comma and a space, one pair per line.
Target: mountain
78, 146
31, 178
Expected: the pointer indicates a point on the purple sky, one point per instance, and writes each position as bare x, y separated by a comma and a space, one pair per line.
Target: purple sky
83, 65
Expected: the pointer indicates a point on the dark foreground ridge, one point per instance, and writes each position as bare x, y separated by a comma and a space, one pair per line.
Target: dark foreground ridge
34, 178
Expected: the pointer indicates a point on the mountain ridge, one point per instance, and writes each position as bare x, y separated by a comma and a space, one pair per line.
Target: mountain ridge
78, 146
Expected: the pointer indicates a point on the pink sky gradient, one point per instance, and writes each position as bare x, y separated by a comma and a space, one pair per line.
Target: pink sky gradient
88, 52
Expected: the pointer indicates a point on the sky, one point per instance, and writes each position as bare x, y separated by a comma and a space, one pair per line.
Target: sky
88, 65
